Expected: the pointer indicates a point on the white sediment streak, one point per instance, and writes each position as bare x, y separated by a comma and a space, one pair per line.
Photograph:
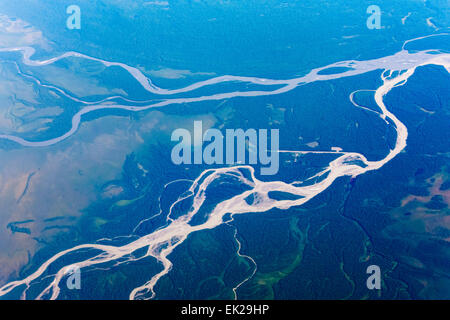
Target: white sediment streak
161, 243
403, 60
